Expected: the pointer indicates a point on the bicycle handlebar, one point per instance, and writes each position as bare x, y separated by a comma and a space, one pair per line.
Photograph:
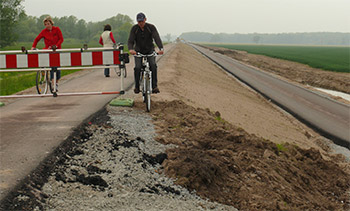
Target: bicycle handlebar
138, 54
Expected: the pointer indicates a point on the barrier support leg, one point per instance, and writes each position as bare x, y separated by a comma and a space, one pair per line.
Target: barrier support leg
122, 80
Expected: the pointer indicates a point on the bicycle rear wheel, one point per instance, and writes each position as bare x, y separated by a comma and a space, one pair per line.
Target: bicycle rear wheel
42, 82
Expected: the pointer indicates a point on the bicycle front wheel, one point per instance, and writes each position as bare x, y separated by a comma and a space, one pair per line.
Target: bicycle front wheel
42, 79
148, 94
124, 71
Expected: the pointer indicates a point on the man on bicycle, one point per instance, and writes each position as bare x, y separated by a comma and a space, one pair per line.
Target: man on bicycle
140, 40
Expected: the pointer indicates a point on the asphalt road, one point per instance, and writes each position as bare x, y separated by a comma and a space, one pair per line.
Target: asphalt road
32, 128
327, 116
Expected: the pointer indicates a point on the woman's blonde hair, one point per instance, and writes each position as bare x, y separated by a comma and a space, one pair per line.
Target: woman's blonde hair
49, 19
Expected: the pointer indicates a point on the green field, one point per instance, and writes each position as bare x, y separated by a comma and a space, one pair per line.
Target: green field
331, 58
13, 82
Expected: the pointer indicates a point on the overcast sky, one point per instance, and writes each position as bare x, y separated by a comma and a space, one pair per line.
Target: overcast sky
214, 16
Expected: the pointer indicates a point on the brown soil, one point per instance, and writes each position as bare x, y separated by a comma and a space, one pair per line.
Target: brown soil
293, 71
226, 164
235, 147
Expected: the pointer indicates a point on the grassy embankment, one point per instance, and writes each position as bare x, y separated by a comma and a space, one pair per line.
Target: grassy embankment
330, 58
12, 82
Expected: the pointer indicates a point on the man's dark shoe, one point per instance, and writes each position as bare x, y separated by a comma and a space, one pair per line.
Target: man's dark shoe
136, 90
155, 90
107, 76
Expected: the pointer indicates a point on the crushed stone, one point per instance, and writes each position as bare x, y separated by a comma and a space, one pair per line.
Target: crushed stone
117, 167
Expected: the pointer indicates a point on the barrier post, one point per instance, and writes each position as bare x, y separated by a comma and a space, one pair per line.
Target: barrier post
123, 66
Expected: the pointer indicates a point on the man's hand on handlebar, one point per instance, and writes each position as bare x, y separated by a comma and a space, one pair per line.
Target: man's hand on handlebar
160, 52
132, 52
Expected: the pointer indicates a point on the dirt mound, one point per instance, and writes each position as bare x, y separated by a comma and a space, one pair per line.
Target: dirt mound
293, 71
226, 164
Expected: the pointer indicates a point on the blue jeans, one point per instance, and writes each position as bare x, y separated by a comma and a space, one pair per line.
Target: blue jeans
106, 71
58, 73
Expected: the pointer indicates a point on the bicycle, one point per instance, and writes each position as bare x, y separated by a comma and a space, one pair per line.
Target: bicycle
146, 79
43, 82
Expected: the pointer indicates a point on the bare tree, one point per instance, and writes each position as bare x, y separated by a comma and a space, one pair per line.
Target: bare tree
256, 39
168, 37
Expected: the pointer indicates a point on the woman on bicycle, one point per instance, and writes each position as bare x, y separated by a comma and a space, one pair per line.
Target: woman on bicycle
53, 39
140, 40
107, 40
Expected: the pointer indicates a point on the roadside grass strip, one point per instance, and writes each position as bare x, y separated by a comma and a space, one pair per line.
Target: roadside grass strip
13, 82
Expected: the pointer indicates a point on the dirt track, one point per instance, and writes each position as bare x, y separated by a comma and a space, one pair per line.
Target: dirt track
192, 79
232, 146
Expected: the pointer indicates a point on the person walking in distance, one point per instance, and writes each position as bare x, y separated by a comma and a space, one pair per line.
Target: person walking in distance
140, 40
107, 40
53, 39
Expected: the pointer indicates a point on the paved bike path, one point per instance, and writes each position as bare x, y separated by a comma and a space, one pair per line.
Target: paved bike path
32, 128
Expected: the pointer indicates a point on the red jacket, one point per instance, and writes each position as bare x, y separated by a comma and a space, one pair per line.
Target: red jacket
53, 37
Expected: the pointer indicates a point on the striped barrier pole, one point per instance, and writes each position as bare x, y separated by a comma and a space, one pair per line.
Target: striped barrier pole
63, 94
62, 59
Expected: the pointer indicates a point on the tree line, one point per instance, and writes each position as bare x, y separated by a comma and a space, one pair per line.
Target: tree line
79, 30
313, 38
16, 26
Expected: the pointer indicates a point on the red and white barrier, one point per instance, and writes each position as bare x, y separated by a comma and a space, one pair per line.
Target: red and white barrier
62, 59
63, 94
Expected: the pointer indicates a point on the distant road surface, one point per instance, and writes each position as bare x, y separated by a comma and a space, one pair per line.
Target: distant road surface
328, 117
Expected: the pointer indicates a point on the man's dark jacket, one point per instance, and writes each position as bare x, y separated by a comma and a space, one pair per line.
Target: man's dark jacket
142, 41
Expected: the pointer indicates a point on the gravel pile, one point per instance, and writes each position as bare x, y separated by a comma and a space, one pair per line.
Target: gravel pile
117, 167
